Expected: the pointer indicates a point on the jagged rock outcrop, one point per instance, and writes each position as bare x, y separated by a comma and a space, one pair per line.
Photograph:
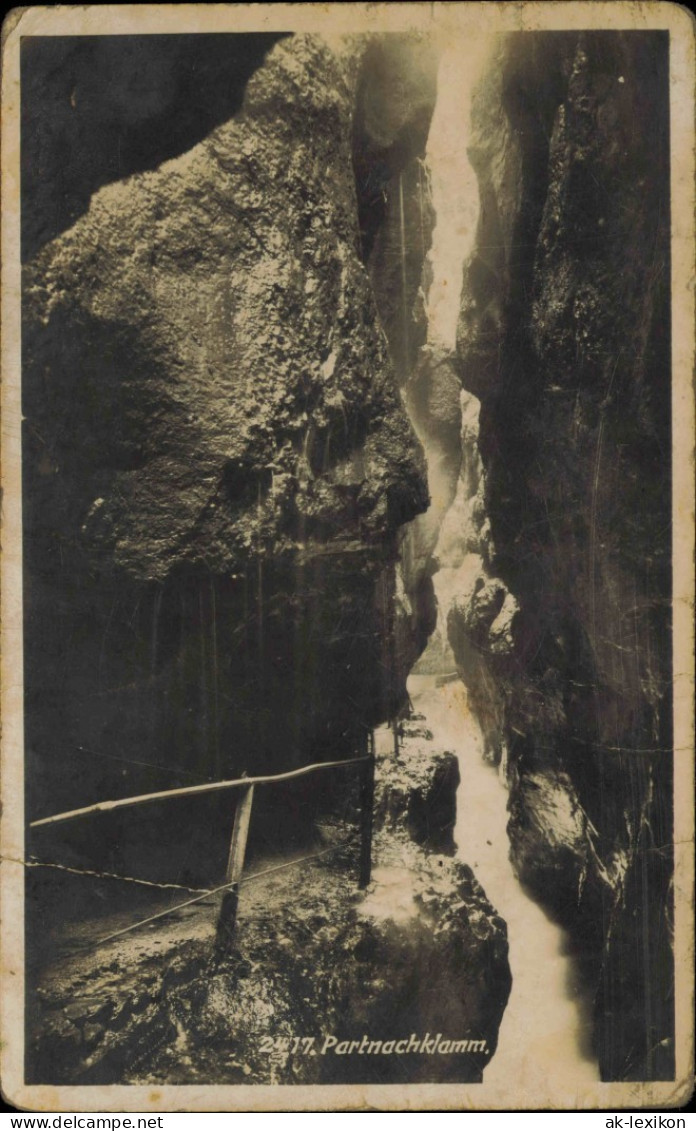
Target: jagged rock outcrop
217, 460
418, 790
433, 397
475, 608
564, 338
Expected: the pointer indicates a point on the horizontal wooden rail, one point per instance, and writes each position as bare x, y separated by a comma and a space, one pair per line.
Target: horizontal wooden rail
192, 790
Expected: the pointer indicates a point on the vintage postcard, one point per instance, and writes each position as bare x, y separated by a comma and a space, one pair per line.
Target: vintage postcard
347, 557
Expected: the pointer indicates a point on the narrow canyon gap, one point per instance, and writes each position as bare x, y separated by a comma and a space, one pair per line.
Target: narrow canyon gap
343, 362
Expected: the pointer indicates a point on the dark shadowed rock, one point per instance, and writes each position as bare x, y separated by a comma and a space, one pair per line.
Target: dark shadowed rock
564, 337
395, 99
216, 456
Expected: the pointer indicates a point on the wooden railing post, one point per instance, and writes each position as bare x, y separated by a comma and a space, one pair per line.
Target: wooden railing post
367, 797
395, 733
227, 917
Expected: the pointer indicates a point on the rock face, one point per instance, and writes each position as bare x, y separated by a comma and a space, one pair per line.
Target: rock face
564, 338
216, 457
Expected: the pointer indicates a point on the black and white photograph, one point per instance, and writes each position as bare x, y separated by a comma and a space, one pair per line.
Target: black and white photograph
347, 579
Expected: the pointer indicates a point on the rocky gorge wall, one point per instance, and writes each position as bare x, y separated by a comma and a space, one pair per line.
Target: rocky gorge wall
216, 457
564, 339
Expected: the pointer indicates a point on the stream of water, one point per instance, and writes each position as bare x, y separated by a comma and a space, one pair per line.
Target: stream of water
545, 1035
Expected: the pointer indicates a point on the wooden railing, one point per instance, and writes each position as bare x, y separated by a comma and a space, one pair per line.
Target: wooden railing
227, 915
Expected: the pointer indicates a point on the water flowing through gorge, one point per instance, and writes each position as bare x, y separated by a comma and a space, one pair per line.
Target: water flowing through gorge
546, 1032
545, 1037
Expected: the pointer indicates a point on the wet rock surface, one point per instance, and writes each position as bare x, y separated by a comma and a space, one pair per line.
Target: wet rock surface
476, 610
396, 96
